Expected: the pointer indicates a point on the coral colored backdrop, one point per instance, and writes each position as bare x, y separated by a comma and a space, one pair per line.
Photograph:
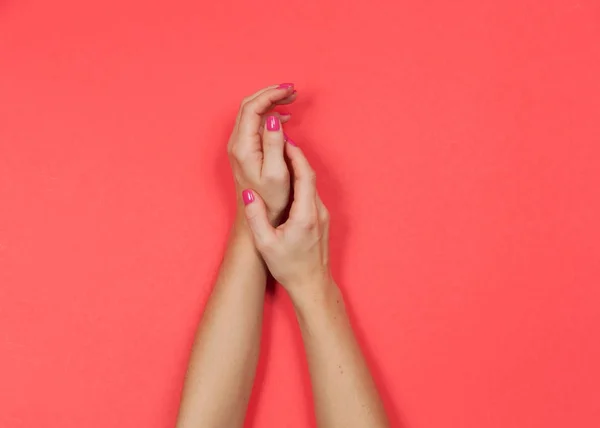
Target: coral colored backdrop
456, 144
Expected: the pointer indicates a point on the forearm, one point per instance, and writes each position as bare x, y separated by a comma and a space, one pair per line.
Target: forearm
343, 389
225, 353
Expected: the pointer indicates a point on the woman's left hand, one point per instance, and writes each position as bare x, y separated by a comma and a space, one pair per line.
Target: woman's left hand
256, 149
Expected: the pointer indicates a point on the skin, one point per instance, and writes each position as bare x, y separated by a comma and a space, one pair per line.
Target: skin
225, 353
297, 254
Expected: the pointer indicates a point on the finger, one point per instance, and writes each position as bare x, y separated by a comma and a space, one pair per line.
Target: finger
304, 209
251, 149
289, 99
279, 86
256, 215
274, 167
251, 112
250, 98
284, 117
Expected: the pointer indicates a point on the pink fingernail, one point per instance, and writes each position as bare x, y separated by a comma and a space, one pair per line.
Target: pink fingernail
247, 196
289, 140
285, 86
273, 123
285, 113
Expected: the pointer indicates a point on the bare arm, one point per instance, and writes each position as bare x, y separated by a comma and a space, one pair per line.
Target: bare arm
344, 392
225, 352
297, 254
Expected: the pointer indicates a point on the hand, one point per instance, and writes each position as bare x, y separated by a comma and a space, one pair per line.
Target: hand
256, 148
297, 252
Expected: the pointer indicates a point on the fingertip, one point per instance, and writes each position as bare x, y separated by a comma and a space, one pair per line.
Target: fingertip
290, 91
263, 102
273, 123
248, 196
284, 116
255, 211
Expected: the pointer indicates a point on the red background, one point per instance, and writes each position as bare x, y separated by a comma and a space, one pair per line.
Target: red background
456, 144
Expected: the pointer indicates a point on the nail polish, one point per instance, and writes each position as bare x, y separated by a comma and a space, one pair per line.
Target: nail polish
285, 86
285, 113
247, 196
289, 140
273, 123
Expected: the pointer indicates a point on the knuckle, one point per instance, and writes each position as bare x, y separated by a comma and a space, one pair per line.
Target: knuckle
325, 216
246, 108
236, 152
308, 222
275, 177
244, 101
244, 156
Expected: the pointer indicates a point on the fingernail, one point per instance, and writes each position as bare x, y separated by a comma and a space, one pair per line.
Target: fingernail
285, 86
289, 140
285, 113
273, 123
247, 196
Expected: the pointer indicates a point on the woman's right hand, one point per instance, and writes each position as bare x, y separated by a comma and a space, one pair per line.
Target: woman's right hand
297, 252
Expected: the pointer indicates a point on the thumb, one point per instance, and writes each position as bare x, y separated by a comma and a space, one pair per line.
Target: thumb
256, 215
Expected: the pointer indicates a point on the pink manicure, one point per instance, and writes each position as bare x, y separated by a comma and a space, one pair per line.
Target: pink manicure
285, 113
285, 86
273, 123
247, 196
289, 140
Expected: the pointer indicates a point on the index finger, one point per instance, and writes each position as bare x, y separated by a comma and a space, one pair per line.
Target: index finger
249, 118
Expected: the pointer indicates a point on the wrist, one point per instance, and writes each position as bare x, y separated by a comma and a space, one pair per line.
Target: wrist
240, 228
315, 296
240, 237
242, 256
